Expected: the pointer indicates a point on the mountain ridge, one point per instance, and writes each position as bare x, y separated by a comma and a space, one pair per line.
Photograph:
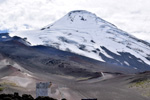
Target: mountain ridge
84, 33
84, 61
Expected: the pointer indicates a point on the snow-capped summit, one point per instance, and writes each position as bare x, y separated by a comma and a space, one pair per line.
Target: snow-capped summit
84, 33
80, 19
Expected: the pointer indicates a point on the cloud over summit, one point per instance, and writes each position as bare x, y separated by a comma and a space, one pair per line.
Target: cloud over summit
132, 16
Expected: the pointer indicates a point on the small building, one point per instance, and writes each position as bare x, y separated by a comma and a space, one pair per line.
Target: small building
43, 89
89, 99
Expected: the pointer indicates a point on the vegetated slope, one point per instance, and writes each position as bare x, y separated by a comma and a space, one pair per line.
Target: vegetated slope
84, 33
141, 83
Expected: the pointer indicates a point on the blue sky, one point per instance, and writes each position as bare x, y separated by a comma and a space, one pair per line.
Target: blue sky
132, 16
4, 31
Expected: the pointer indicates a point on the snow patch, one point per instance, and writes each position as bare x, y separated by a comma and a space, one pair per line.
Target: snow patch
126, 63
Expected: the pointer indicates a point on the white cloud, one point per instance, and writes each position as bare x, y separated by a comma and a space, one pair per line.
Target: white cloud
132, 16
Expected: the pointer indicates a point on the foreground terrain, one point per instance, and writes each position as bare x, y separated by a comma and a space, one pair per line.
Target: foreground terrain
16, 96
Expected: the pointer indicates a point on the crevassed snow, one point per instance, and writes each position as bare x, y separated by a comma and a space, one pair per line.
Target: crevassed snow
84, 33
